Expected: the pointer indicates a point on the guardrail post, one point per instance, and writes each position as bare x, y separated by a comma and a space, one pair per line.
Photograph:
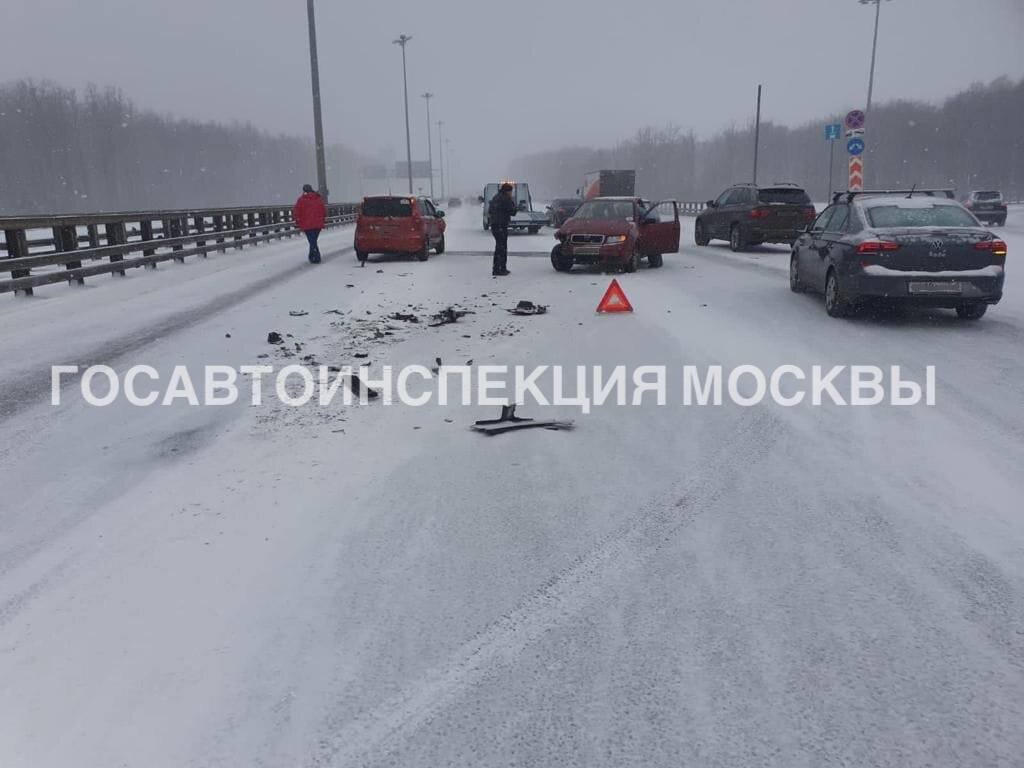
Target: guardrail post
93, 235
218, 226
115, 234
200, 224
250, 222
146, 230
237, 223
65, 240
17, 247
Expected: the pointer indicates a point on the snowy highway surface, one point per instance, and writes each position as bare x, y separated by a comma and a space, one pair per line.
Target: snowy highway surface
378, 585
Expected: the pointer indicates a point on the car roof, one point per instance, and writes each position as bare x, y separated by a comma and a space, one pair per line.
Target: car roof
614, 197
902, 201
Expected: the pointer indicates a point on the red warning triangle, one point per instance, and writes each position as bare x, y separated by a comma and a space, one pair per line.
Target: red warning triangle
614, 300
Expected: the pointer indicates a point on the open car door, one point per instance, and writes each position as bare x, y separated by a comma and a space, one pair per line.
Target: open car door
659, 228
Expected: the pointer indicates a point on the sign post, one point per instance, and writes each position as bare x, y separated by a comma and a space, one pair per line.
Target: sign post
855, 148
832, 133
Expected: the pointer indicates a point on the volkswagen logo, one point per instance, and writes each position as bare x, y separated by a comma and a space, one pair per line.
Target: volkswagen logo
938, 249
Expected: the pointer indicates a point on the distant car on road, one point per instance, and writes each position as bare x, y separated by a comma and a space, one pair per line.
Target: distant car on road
561, 209
391, 224
911, 247
454, 202
987, 206
617, 232
746, 214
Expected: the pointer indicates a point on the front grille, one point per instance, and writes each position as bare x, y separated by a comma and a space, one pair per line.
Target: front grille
587, 239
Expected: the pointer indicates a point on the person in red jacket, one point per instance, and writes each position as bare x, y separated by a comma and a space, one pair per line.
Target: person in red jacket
310, 214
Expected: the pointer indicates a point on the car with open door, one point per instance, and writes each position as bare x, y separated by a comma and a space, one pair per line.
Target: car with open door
911, 247
399, 224
617, 233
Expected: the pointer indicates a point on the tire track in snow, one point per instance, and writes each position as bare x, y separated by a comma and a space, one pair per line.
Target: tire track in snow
368, 738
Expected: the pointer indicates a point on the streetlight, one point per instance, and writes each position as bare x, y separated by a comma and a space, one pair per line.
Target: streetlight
448, 155
318, 126
874, 47
402, 40
440, 154
430, 152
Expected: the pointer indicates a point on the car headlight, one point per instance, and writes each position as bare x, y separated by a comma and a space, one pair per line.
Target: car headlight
614, 239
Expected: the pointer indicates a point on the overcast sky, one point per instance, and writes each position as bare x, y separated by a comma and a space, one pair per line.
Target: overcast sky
512, 76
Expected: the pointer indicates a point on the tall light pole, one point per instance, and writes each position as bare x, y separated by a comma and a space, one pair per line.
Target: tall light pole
448, 156
757, 131
430, 151
318, 125
402, 40
874, 48
440, 153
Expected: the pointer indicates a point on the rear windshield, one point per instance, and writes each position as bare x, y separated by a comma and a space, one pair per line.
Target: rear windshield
919, 216
784, 195
387, 206
987, 196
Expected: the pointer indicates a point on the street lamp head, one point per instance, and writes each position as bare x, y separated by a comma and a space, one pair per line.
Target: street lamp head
428, 95
402, 40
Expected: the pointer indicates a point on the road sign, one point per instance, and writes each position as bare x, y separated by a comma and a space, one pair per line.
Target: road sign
614, 300
832, 131
855, 146
856, 174
855, 119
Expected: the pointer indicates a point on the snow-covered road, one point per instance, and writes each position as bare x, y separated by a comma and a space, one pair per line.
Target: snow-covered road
377, 585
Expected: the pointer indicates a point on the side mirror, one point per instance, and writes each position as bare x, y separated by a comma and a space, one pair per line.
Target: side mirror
711, 204
439, 214
480, 199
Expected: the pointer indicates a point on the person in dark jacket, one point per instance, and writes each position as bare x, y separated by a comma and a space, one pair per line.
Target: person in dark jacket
500, 212
310, 215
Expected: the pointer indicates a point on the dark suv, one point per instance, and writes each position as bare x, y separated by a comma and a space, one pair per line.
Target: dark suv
746, 214
987, 206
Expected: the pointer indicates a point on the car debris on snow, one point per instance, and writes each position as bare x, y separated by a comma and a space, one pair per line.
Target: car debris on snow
404, 317
274, 338
528, 308
508, 422
448, 315
298, 313
357, 385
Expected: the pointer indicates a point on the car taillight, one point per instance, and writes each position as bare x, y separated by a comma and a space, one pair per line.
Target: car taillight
760, 213
995, 247
968, 205
877, 246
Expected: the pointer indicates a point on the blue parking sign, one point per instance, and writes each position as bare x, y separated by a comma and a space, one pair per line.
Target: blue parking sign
832, 131
855, 145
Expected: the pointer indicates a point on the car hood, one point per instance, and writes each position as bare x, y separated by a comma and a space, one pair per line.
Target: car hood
597, 226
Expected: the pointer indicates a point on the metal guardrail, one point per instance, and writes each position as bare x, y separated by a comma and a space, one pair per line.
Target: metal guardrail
53, 249
691, 209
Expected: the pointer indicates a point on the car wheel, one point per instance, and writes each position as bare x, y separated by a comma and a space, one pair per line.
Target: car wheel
533, 230
424, 253
794, 274
361, 256
700, 236
634, 261
559, 262
971, 311
736, 242
655, 260
836, 304
439, 248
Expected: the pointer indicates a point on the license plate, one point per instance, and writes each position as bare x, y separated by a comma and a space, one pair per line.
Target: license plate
586, 250
935, 286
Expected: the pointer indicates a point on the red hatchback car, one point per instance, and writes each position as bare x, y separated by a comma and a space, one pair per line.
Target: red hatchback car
391, 224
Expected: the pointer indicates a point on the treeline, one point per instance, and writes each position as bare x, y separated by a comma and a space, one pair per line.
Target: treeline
972, 140
68, 152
